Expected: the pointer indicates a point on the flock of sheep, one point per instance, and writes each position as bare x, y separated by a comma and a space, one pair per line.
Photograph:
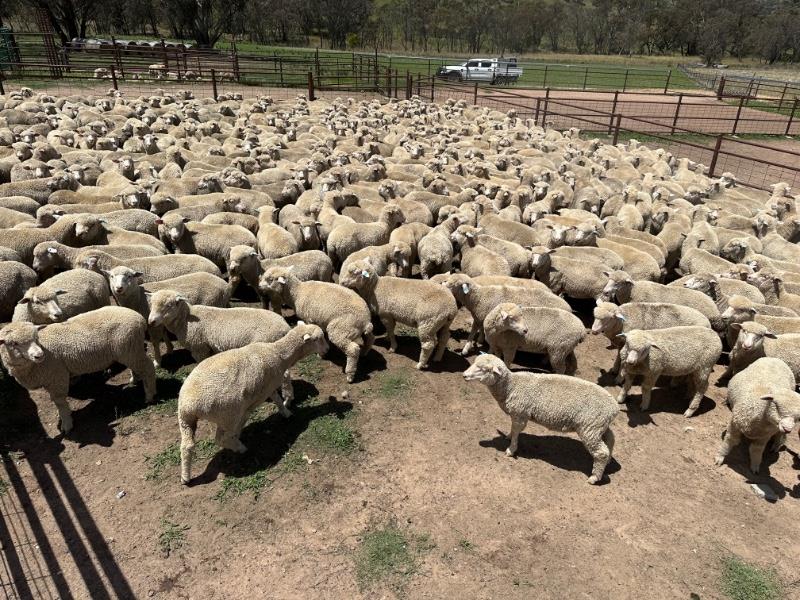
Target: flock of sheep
127, 220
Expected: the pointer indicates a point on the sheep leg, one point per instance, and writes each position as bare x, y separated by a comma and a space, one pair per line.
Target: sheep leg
615, 369
350, 348
279, 402
508, 356
732, 437
200, 353
699, 384
558, 362
428, 343
389, 324
441, 346
571, 364
601, 453
777, 442
287, 390
476, 326
518, 423
64, 412
647, 390
187, 428
626, 387
142, 368
756, 454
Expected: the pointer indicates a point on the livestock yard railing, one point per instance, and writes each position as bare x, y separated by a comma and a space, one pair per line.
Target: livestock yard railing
731, 84
755, 163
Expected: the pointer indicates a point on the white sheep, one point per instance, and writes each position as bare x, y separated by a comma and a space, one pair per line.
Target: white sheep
558, 402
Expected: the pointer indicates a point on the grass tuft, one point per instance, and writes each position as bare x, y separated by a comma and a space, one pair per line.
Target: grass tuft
311, 368
172, 536
331, 433
171, 457
233, 486
743, 581
394, 384
387, 555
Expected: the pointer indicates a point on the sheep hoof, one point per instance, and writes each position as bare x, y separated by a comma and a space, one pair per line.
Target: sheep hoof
754, 469
185, 481
644, 407
689, 412
65, 426
421, 366
719, 460
621, 399
350, 377
509, 453
156, 364
593, 480
391, 349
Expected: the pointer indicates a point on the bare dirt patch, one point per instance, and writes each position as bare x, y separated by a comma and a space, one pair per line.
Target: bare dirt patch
415, 454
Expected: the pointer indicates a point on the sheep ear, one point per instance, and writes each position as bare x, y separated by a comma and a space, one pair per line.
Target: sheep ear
656, 346
768, 397
503, 315
735, 326
301, 322
25, 299
295, 222
606, 274
40, 327
306, 337
770, 335
622, 335
497, 370
60, 292
185, 219
138, 274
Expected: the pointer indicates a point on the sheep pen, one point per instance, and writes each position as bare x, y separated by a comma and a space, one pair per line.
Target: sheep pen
378, 437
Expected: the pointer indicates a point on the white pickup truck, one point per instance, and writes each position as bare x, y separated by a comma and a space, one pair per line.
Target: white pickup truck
492, 70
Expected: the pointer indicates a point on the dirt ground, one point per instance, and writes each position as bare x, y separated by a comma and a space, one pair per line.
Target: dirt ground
428, 460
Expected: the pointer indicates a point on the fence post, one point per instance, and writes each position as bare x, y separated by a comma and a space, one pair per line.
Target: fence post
585, 76
714, 157
214, 84
738, 114
433, 89
164, 52
613, 111
625, 81
114, 77
2, 89
546, 104
376, 69
616, 130
311, 96
669, 77
544, 82
409, 85
721, 87
788, 123
536, 114
316, 60
235, 61
783, 95
280, 69
677, 111
475, 95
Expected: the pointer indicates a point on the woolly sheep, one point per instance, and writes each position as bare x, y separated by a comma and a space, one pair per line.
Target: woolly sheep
552, 331
480, 299
49, 256
342, 313
46, 357
436, 250
639, 265
349, 237
674, 351
558, 402
15, 280
153, 268
207, 330
764, 407
755, 341
213, 242
393, 258
565, 276
420, 304
64, 296
477, 259
209, 394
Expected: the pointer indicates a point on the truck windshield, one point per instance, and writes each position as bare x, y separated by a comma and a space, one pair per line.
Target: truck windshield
472, 64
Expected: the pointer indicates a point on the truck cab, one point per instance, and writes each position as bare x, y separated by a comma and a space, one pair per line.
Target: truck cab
491, 70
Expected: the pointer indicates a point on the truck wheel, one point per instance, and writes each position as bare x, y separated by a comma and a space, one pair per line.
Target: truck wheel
454, 77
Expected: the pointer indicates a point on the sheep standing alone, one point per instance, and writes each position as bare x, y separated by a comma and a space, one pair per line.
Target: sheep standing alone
764, 407
558, 402
88, 343
211, 394
676, 351
552, 331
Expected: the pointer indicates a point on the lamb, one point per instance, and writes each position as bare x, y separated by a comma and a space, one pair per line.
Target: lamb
436, 250
342, 313
349, 237
558, 402
770, 283
764, 407
622, 289
719, 288
213, 242
15, 280
244, 264
87, 343
49, 256
198, 288
421, 304
411, 234
477, 259
207, 330
480, 299
552, 331
210, 395
639, 265
675, 351
755, 341
392, 259
273, 240
612, 320
565, 276
153, 268
64, 296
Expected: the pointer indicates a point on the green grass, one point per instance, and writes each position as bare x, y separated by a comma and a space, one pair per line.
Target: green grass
394, 384
311, 368
466, 545
172, 536
330, 433
389, 555
171, 457
743, 581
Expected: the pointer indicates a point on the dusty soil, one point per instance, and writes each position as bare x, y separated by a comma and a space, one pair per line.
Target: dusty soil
429, 458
